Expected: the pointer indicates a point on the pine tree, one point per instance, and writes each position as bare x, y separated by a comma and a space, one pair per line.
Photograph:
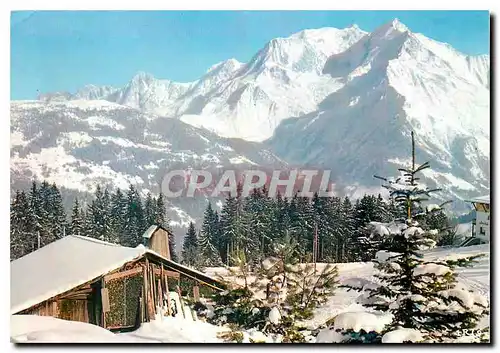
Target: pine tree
421, 295
207, 240
107, 219
229, 229
134, 219
280, 220
97, 212
350, 248
118, 213
305, 228
36, 222
20, 236
46, 234
273, 299
76, 226
57, 214
150, 209
88, 223
190, 255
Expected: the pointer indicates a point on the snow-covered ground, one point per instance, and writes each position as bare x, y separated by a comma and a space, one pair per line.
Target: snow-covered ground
43, 329
342, 306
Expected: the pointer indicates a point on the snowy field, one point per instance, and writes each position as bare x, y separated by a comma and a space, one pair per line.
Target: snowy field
25, 328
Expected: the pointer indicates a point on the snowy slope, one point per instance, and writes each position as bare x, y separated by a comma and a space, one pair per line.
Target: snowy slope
45, 329
80, 143
397, 81
476, 278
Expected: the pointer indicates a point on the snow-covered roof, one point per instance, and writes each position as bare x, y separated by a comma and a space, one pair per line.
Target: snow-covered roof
481, 199
149, 232
61, 266
70, 262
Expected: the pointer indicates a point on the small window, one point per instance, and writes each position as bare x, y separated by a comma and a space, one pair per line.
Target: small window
482, 231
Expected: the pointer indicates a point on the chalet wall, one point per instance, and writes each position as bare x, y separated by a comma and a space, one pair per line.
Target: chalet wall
66, 309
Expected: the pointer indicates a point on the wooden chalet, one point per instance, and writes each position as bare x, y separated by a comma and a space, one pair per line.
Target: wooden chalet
83, 279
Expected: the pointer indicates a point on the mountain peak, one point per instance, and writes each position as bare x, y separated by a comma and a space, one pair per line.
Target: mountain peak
228, 65
398, 25
142, 76
390, 29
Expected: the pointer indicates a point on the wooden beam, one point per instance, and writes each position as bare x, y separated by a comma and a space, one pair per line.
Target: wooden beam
103, 314
169, 307
122, 274
153, 286
169, 273
158, 292
105, 299
150, 292
145, 291
196, 293
181, 304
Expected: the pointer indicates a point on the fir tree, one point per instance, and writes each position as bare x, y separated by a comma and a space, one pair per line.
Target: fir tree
46, 235
134, 219
20, 236
118, 214
190, 255
35, 211
350, 247
229, 228
150, 209
57, 214
77, 220
420, 294
207, 240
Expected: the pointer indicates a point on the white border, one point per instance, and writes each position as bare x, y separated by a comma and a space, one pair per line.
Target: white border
8, 6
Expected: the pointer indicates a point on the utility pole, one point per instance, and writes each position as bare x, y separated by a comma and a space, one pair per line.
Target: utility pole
38, 239
315, 246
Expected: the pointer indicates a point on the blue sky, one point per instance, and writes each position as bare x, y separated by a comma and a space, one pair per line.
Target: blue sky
62, 51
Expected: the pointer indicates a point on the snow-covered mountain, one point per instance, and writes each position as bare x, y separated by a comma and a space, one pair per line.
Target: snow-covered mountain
339, 99
397, 81
249, 100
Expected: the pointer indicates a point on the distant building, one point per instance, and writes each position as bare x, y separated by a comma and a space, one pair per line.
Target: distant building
481, 224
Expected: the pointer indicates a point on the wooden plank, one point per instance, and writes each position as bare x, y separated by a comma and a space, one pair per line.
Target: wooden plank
105, 300
55, 308
145, 292
153, 287
196, 293
86, 312
141, 306
103, 314
122, 274
169, 273
181, 304
77, 297
160, 294
169, 306
151, 308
